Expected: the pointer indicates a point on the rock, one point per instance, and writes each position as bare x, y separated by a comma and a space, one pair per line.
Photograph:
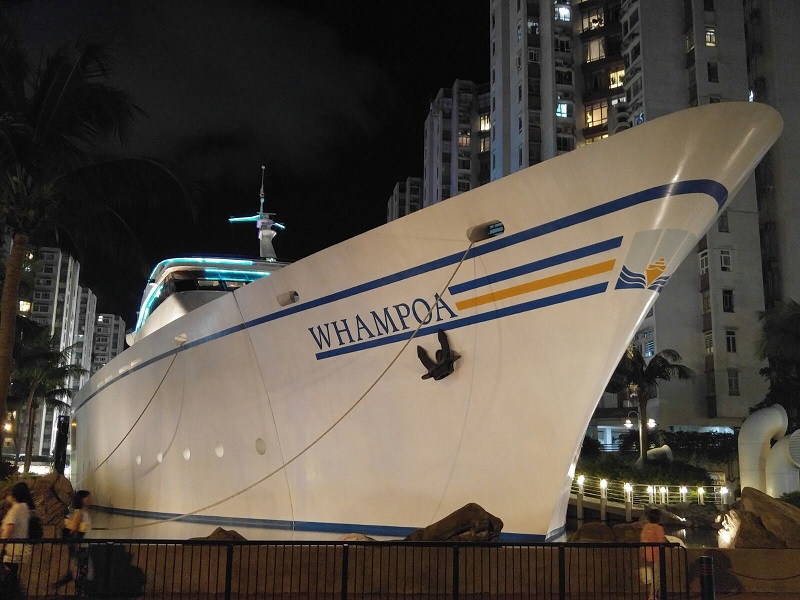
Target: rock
594, 531
470, 523
51, 493
223, 535
745, 530
697, 515
628, 532
355, 537
780, 519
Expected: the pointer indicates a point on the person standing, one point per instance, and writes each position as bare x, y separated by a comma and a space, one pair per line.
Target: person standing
76, 526
15, 526
649, 565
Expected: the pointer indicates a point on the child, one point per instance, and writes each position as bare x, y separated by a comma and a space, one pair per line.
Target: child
650, 569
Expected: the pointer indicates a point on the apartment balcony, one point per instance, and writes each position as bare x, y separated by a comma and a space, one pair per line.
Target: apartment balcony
704, 283
707, 322
708, 363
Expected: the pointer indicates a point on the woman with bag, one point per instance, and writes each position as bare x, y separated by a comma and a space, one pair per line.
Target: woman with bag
75, 528
15, 526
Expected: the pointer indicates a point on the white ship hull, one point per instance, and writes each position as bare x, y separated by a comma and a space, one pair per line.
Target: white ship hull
313, 416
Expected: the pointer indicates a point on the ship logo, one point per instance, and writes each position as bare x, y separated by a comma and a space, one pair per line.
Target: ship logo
652, 278
648, 260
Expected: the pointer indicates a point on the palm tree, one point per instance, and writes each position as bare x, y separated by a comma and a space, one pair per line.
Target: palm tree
641, 378
53, 120
41, 374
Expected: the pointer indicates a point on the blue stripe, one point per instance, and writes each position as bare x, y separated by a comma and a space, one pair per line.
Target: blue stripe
538, 265
585, 292
695, 186
282, 525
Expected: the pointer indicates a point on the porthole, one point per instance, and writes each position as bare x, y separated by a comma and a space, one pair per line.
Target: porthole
187, 454
219, 451
261, 446
160, 457
138, 459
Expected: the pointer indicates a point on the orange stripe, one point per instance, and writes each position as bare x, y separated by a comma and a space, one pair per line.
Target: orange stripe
538, 284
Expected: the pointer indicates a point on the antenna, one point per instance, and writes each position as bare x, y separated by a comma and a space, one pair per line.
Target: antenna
264, 223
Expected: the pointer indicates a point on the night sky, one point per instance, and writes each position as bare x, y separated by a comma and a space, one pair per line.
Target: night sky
331, 96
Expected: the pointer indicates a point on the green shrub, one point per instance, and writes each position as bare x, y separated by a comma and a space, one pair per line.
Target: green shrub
590, 449
620, 468
792, 498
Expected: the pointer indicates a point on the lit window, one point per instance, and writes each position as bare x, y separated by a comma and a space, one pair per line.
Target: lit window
733, 382
594, 50
595, 138
563, 13
649, 348
711, 36
24, 306
463, 139
727, 300
485, 123
616, 78
592, 19
730, 340
564, 109
703, 262
725, 260
596, 114
484, 144
708, 338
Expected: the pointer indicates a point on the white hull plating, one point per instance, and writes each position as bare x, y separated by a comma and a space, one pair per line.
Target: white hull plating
313, 416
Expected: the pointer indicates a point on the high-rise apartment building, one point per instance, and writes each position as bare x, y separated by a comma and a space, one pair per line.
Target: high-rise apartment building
405, 199
774, 77
565, 74
109, 339
456, 142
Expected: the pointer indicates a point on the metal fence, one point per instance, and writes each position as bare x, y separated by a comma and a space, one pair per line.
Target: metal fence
642, 494
343, 570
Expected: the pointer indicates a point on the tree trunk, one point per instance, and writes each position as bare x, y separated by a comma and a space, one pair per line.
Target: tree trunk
23, 427
643, 441
32, 408
9, 306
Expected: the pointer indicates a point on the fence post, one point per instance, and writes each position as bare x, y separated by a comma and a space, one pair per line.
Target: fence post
345, 567
562, 572
228, 571
662, 571
707, 578
456, 572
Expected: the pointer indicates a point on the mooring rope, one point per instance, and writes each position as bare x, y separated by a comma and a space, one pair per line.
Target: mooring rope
321, 435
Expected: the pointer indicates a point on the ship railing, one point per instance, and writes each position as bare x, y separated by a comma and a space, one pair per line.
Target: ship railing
643, 494
135, 568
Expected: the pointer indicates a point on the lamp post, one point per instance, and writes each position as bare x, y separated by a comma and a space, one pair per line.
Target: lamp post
629, 425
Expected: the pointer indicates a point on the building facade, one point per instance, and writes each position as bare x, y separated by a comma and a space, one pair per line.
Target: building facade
405, 199
456, 142
109, 339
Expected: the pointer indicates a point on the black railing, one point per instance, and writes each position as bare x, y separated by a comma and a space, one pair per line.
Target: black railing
345, 570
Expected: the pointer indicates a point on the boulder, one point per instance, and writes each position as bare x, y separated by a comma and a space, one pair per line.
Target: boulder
355, 537
223, 535
697, 515
51, 493
470, 523
594, 531
745, 530
779, 518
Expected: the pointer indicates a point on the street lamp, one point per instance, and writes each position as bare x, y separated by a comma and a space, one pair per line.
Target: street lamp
651, 424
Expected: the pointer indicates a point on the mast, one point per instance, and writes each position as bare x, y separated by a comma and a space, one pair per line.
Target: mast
264, 224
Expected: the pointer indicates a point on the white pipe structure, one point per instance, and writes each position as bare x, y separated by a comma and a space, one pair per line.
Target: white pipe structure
754, 437
656, 453
783, 466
